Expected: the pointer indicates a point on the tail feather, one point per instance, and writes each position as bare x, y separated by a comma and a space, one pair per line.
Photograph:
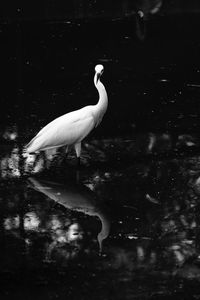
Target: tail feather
31, 146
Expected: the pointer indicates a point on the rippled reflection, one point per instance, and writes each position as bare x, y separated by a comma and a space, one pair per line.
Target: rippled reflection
152, 228
55, 221
78, 198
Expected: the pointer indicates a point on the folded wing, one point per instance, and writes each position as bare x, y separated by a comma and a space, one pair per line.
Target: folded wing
65, 130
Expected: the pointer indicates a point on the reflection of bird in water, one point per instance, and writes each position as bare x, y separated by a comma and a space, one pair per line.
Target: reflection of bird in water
78, 198
147, 6
71, 128
143, 9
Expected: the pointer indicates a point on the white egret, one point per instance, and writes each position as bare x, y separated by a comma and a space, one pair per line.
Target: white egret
71, 128
78, 198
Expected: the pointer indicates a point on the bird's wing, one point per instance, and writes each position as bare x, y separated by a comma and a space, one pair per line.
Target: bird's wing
69, 117
64, 132
67, 120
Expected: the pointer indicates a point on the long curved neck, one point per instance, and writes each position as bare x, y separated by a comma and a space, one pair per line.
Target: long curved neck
105, 230
102, 104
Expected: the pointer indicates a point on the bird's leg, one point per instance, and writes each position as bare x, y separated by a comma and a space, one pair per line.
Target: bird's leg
78, 153
50, 153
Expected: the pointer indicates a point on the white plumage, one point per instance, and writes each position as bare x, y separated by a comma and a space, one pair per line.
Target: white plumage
71, 128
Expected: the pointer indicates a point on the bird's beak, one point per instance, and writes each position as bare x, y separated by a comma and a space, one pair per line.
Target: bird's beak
98, 76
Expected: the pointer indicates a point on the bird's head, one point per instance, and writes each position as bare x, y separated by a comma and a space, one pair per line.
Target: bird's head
98, 71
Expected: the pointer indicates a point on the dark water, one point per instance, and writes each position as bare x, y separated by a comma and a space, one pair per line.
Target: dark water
126, 224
